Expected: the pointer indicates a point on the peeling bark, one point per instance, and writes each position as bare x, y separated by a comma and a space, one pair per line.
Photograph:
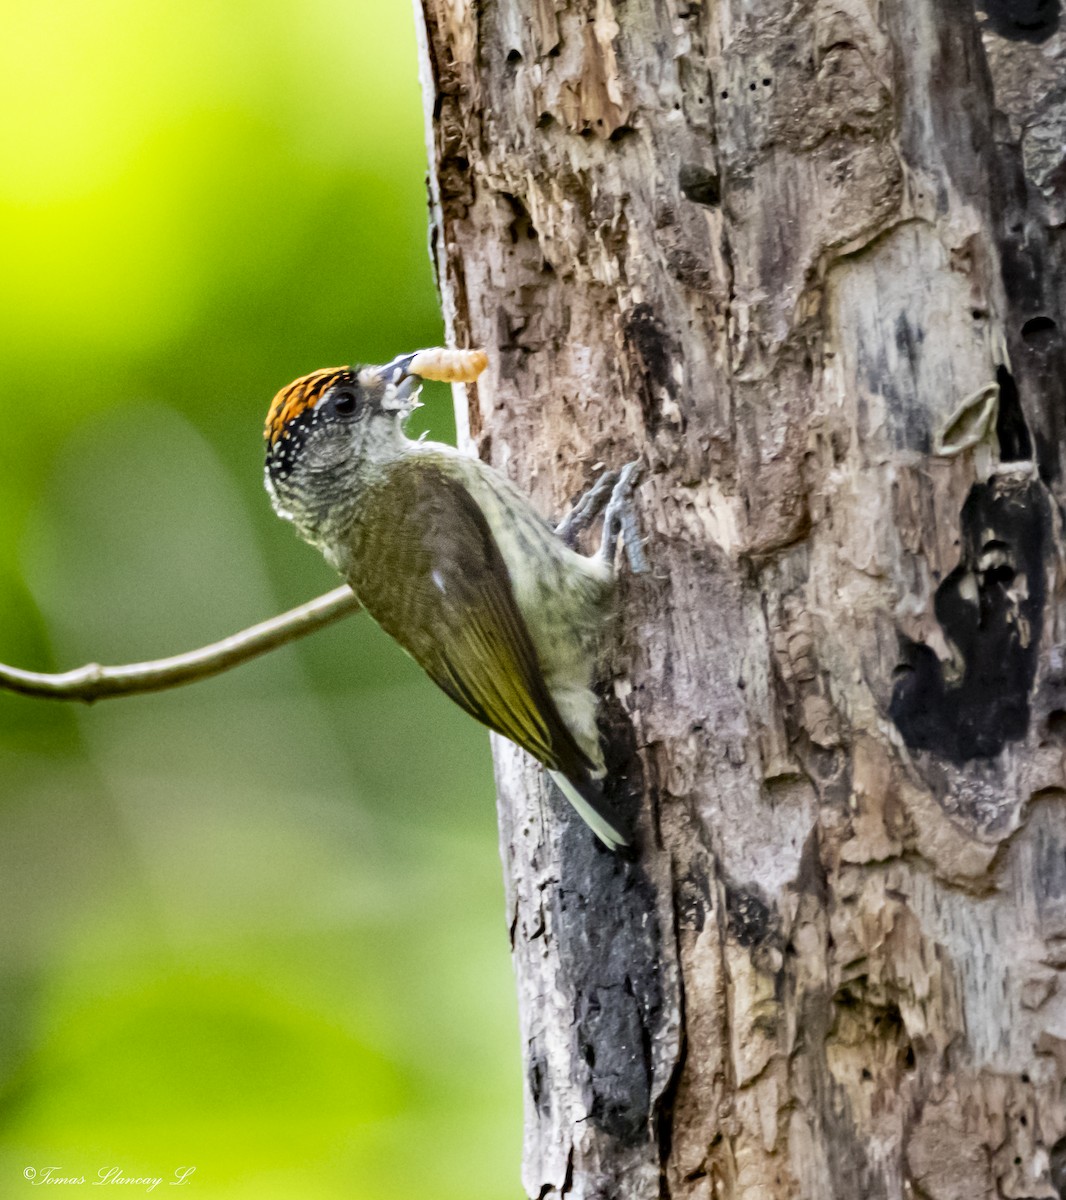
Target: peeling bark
807, 259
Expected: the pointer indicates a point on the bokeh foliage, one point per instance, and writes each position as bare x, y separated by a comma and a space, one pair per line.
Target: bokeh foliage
255, 926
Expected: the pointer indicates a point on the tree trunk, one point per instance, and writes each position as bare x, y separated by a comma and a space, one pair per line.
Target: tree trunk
806, 258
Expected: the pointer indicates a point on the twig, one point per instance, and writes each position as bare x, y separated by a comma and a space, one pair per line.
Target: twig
94, 682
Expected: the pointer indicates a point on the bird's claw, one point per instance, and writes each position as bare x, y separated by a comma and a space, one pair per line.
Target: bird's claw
620, 521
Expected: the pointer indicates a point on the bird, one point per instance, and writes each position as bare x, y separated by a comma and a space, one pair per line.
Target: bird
449, 557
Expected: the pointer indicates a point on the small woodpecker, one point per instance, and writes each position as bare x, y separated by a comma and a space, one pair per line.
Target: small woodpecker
451, 561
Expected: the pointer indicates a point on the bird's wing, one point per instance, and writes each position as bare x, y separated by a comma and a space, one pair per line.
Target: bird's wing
426, 567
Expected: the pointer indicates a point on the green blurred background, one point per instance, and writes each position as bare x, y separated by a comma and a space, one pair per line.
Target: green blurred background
255, 926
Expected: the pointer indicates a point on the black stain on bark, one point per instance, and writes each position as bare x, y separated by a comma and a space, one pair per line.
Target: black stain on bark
1057, 1167
907, 415
1022, 20
610, 946
624, 785
653, 354
536, 1076
693, 899
991, 608
909, 338
700, 185
622, 133
1015, 444
1038, 353
1021, 268
751, 921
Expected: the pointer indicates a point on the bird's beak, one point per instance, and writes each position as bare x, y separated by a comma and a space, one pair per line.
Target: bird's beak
405, 393
401, 385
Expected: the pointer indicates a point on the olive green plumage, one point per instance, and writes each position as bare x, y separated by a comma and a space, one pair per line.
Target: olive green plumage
426, 567
451, 561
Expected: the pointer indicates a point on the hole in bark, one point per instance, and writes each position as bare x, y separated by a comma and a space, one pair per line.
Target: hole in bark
1002, 574
1023, 20
907, 1058
521, 227
556, 50
866, 1073
1025, 1077
752, 87
1038, 331
514, 56
623, 131
544, 120
725, 95
1056, 728
1023, 1120
995, 564
766, 83
978, 314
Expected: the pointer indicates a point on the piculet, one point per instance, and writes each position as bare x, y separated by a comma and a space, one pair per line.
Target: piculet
451, 560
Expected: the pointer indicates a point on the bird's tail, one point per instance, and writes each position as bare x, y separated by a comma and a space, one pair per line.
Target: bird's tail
589, 802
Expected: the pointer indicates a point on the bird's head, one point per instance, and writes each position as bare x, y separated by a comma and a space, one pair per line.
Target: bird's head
326, 435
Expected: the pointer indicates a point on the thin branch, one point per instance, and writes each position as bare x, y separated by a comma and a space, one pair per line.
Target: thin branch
93, 682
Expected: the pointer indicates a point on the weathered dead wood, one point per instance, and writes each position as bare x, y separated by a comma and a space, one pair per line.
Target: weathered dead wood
807, 259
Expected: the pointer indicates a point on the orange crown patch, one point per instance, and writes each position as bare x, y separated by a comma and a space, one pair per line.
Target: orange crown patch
299, 396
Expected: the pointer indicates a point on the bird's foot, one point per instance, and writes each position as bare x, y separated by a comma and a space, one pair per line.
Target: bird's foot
587, 509
620, 522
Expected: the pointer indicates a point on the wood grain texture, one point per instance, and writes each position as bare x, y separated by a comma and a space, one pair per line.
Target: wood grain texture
807, 259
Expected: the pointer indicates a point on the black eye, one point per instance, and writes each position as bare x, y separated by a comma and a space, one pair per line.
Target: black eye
344, 403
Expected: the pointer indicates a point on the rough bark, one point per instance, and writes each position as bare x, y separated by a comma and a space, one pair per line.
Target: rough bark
806, 257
